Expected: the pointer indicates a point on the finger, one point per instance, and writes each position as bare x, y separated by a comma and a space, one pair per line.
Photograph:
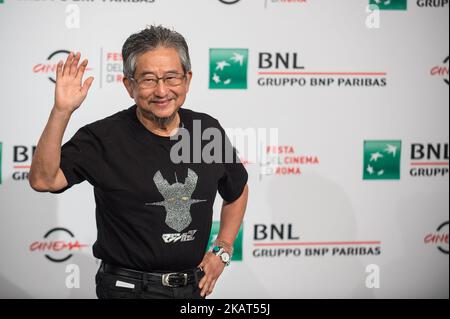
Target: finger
87, 84
74, 66
59, 69
205, 288
211, 287
202, 282
81, 70
67, 64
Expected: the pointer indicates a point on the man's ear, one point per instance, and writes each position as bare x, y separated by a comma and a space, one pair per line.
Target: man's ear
128, 86
188, 80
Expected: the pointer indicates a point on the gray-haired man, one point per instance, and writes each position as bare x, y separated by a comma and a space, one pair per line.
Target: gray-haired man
153, 214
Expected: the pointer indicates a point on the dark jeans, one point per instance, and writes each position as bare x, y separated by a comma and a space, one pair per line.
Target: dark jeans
109, 286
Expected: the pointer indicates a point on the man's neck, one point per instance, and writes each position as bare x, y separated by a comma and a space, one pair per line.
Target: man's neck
153, 127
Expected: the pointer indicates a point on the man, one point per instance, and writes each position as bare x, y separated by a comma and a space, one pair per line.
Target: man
153, 213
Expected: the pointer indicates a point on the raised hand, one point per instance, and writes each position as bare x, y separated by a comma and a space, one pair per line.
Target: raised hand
69, 93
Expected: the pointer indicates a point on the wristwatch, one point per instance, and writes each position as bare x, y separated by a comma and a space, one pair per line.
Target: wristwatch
224, 256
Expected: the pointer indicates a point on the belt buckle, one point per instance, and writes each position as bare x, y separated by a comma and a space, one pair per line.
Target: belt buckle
165, 279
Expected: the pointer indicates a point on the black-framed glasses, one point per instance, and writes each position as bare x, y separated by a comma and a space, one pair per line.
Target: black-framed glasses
151, 81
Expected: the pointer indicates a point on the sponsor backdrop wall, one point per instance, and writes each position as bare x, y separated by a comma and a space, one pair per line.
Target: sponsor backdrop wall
351, 202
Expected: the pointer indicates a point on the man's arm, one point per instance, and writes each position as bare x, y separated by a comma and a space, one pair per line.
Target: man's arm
231, 218
45, 173
230, 221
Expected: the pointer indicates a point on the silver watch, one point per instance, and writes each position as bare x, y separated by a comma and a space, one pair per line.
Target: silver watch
224, 256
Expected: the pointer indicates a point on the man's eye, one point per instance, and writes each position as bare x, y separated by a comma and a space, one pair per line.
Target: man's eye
149, 80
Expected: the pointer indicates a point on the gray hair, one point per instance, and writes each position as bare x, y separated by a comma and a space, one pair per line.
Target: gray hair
149, 39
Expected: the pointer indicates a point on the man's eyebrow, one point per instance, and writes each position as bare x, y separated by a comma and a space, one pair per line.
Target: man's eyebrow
146, 73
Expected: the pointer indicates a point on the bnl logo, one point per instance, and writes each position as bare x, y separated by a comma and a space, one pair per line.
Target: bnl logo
390, 4
382, 159
228, 68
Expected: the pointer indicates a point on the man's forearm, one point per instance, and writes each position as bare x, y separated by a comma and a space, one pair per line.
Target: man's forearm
45, 174
231, 218
47, 157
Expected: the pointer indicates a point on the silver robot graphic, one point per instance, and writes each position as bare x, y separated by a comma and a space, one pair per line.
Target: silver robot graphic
177, 199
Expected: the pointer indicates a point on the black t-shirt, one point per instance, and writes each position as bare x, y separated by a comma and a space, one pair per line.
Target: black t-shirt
151, 213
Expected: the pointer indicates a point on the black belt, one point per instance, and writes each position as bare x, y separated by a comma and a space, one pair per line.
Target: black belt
173, 279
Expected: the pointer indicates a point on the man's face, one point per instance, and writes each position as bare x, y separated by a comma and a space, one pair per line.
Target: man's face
164, 100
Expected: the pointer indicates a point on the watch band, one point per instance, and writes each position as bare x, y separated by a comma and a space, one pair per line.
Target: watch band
219, 251
227, 246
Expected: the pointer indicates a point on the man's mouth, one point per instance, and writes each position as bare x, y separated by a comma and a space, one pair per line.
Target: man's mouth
162, 103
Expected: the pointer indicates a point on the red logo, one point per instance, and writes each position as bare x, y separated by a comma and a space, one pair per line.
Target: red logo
60, 250
49, 67
439, 238
441, 70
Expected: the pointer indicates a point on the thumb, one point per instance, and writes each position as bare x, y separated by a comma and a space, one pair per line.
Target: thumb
86, 85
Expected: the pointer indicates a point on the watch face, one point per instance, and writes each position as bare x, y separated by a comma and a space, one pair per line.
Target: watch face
225, 257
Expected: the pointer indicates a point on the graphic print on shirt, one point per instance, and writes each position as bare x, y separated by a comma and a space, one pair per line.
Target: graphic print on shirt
177, 199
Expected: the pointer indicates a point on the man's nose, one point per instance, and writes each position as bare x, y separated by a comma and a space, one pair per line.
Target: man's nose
161, 88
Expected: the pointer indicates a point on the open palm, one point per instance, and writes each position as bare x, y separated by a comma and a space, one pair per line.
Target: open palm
69, 91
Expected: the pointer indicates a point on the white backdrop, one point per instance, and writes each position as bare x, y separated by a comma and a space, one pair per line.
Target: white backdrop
344, 234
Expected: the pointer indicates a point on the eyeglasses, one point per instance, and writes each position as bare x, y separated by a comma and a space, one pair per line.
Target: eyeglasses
151, 81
